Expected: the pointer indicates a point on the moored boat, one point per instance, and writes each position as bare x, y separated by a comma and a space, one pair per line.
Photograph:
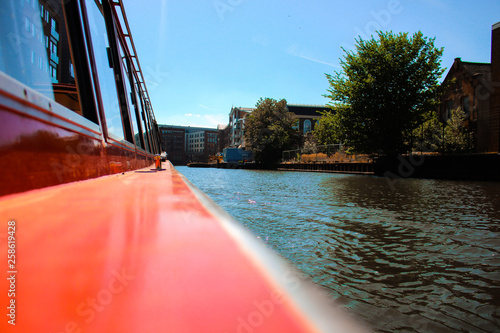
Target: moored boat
98, 239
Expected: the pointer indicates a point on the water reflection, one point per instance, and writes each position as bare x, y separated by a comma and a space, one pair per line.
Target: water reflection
421, 258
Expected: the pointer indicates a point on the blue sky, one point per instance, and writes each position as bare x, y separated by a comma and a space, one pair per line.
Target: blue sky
201, 57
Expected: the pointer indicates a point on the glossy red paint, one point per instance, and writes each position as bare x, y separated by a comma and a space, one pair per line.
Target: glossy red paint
137, 252
38, 149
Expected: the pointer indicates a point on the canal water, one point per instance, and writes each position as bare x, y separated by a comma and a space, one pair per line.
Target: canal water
412, 256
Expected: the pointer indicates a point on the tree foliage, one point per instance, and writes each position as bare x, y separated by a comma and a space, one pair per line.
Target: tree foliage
327, 130
269, 130
383, 91
310, 145
456, 136
451, 137
428, 137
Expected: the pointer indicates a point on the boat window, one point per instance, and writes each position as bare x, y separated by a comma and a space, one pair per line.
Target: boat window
59, 56
150, 130
142, 119
139, 137
35, 50
129, 93
23, 51
107, 86
147, 127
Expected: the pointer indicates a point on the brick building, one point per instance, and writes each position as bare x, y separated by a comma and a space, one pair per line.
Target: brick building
476, 90
173, 142
234, 133
307, 115
494, 142
185, 144
223, 137
236, 126
200, 144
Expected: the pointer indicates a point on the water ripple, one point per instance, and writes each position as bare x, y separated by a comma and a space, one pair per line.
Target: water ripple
422, 258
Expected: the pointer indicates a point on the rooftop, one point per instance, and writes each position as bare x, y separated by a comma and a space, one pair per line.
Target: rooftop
477, 67
471, 68
187, 128
307, 109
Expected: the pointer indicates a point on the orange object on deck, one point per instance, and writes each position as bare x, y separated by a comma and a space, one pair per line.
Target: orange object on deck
146, 252
157, 162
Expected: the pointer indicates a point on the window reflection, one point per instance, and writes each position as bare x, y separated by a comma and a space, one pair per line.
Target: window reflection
307, 126
23, 46
106, 78
35, 50
128, 78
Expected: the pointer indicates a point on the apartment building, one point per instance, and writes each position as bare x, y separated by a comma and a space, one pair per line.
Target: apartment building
185, 144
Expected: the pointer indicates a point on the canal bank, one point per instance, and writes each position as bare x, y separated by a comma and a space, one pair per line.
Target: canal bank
348, 168
225, 165
485, 167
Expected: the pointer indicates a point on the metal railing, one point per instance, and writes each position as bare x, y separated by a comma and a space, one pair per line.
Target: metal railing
336, 153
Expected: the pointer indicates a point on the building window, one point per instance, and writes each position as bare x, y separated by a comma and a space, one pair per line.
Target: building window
307, 126
465, 105
53, 71
27, 24
53, 48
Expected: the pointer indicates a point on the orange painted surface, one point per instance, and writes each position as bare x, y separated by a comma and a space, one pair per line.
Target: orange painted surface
35, 154
136, 252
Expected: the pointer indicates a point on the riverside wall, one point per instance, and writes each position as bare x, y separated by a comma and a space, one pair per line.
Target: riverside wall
454, 167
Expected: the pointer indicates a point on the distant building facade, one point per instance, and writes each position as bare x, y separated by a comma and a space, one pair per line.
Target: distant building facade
494, 142
468, 93
237, 126
173, 142
185, 144
476, 90
223, 132
200, 144
306, 114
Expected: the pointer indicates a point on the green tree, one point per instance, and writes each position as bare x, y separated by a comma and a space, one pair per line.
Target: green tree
327, 130
456, 136
269, 130
428, 137
384, 89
